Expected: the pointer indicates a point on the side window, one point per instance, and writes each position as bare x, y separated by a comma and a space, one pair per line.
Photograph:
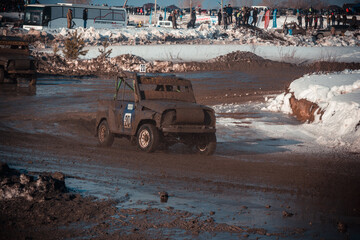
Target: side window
126, 92
56, 12
119, 15
106, 15
93, 13
78, 13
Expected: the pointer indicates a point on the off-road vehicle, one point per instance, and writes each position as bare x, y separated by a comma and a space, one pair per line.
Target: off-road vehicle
153, 111
15, 61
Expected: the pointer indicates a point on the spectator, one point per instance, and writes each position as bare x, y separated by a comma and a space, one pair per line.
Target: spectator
315, 21
333, 19
338, 18
229, 12
69, 18
219, 17
255, 17
85, 16
321, 26
174, 20
299, 18
344, 19
306, 21
311, 19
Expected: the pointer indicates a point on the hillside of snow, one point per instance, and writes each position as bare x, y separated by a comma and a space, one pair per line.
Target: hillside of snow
337, 124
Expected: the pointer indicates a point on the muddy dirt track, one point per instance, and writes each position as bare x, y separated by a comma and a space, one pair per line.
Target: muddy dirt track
247, 190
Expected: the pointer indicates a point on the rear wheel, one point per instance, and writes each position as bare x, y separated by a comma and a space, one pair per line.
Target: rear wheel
206, 144
105, 137
320, 36
148, 138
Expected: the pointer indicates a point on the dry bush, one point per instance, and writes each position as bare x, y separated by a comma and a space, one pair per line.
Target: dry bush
74, 45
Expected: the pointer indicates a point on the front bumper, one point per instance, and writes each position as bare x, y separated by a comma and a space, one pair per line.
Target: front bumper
188, 129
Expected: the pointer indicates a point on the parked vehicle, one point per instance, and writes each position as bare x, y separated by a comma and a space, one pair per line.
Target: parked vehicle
154, 111
15, 61
40, 16
333, 31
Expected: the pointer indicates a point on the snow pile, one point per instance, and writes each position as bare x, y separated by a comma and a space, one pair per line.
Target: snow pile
204, 34
15, 185
338, 97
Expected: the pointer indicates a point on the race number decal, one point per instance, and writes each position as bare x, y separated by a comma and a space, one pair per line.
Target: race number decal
127, 120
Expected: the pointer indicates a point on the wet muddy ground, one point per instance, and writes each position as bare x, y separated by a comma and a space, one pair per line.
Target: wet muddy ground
253, 187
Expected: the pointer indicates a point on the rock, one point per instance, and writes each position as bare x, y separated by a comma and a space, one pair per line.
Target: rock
58, 175
24, 179
287, 214
164, 196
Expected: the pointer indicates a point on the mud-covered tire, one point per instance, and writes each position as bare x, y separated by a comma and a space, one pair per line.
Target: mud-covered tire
206, 144
148, 138
320, 36
2, 75
105, 137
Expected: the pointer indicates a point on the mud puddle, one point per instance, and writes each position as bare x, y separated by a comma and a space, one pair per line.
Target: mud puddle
57, 118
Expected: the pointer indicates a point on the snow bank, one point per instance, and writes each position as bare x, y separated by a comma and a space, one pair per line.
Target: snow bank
338, 96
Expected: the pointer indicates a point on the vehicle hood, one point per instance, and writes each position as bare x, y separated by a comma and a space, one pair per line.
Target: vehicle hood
161, 105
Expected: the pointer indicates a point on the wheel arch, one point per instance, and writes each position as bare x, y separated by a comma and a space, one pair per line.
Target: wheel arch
144, 121
98, 124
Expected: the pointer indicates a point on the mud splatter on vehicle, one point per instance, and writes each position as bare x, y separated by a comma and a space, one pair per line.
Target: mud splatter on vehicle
150, 111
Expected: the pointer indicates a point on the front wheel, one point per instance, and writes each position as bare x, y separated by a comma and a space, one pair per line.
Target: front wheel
148, 138
105, 137
206, 144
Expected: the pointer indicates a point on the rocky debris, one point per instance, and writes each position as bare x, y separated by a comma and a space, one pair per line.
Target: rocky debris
164, 196
39, 207
14, 185
287, 214
238, 56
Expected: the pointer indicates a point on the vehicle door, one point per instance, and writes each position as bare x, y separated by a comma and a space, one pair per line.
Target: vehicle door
125, 107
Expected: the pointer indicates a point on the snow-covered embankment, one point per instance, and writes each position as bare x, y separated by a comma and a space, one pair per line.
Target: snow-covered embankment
329, 104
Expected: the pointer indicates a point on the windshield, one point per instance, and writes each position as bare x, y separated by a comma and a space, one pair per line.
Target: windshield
166, 88
33, 17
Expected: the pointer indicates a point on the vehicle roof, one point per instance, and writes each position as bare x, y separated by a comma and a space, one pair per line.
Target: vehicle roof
72, 5
9, 40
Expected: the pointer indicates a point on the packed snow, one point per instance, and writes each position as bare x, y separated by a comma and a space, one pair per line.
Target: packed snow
338, 96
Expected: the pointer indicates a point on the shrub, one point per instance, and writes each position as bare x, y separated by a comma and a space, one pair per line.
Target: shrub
74, 45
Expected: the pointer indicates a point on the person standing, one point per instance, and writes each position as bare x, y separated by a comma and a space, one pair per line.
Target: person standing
219, 17
344, 19
69, 18
225, 21
85, 16
315, 21
229, 12
306, 21
321, 26
311, 19
338, 18
174, 20
299, 18
193, 18
333, 19
255, 16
